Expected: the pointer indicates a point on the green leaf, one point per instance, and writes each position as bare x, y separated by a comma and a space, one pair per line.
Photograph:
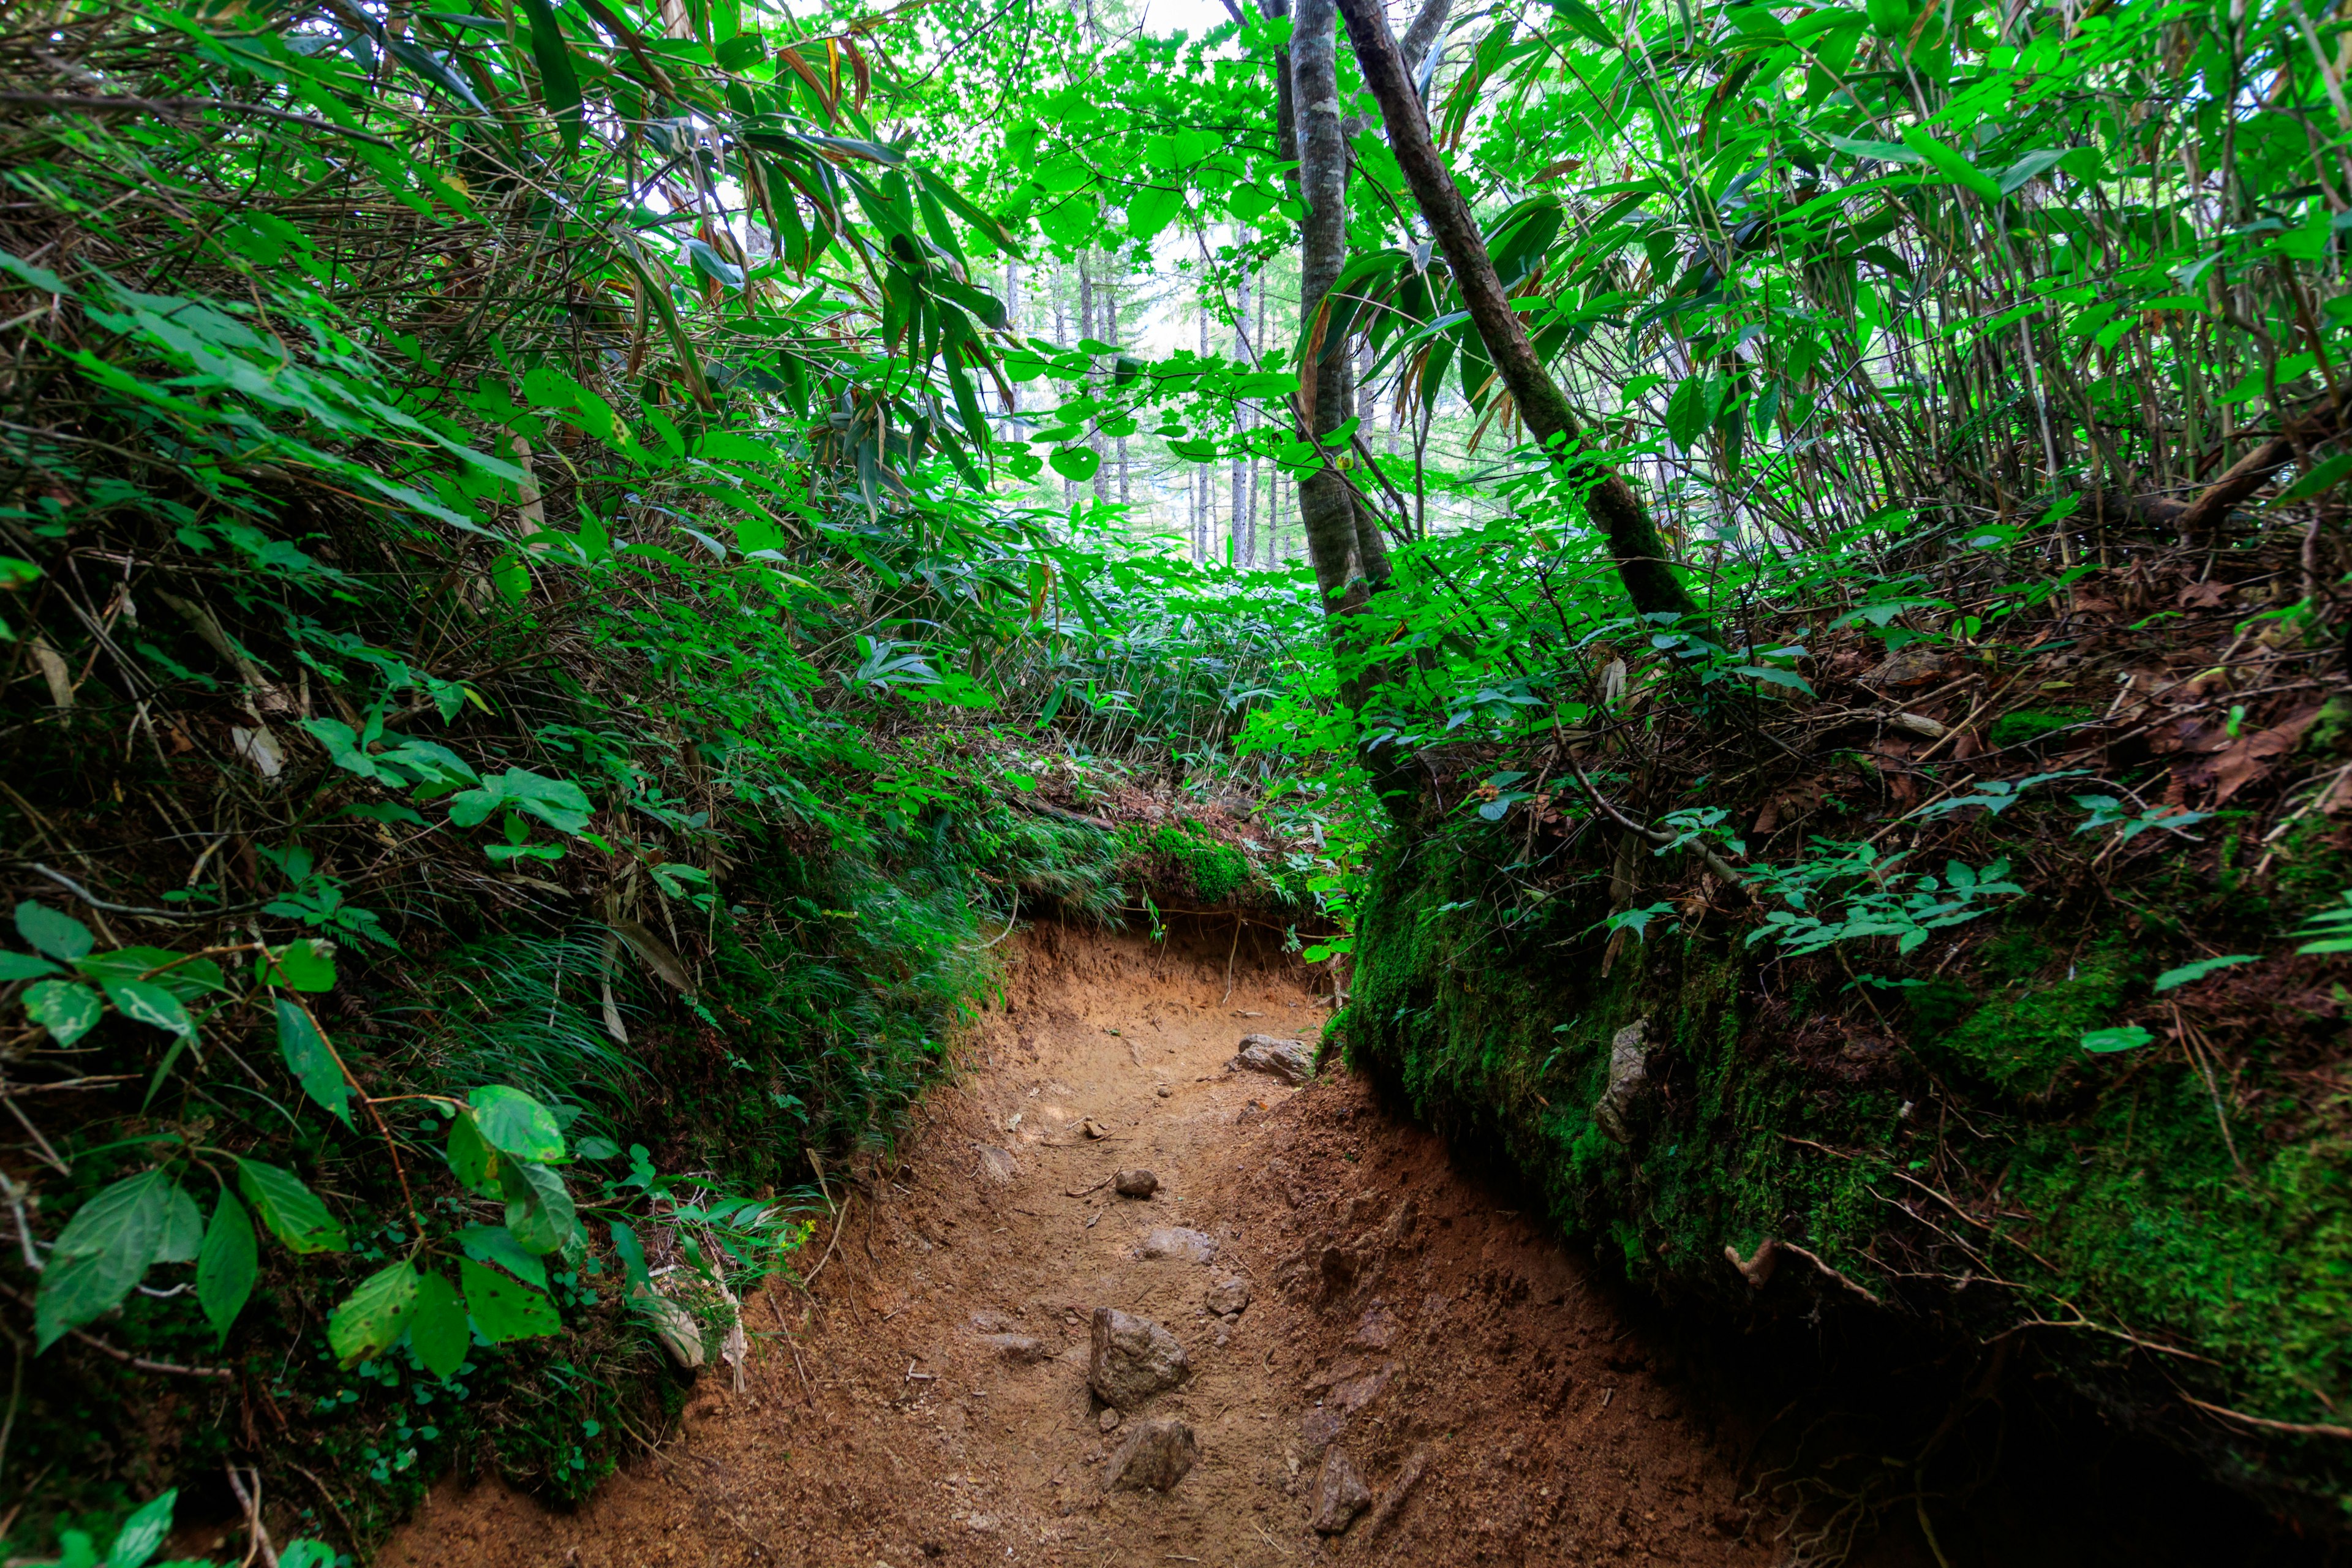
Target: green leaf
310, 1060
291, 1211
1077, 463
496, 1244
559, 84
65, 1010
437, 1327
143, 1533
2188, 973
471, 1158
2129, 1038
60, 936
1950, 164
1690, 411
632, 1254
373, 1318
304, 965
226, 1266
713, 265
32, 277
538, 1207
513, 1122
144, 1002
183, 1229
1585, 21
23, 966
102, 1252
503, 1311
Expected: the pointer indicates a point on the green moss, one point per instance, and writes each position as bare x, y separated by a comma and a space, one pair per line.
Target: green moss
1789, 1107
1186, 862
2032, 724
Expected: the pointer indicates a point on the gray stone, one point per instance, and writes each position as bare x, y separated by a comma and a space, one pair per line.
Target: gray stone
1179, 1242
1340, 1494
997, 1164
1629, 1077
1228, 1294
1154, 1457
1321, 1429
1017, 1347
1133, 1359
1135, 1183
1292, 1062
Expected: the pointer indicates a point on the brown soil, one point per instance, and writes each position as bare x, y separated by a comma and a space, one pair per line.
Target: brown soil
1493, 1400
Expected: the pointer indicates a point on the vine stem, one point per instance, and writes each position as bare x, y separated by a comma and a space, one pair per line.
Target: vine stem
392, 1146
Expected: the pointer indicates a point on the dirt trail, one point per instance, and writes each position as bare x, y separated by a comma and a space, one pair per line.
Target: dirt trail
1474, 1375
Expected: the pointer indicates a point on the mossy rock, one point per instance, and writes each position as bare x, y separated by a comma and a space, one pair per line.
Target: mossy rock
1955, 1125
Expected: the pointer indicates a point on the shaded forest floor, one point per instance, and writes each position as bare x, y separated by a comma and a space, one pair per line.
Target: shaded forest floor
926, 1397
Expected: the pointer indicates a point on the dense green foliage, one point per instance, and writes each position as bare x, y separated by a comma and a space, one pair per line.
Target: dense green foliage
563, 598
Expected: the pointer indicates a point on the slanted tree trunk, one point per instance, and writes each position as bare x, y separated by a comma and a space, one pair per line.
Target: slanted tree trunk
1642, 557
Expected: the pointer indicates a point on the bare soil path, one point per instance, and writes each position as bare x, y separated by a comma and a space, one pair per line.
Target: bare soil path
1474, 1376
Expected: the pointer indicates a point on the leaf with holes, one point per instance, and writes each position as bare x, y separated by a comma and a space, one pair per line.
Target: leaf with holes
371, 1318
502, 1309
437, 1331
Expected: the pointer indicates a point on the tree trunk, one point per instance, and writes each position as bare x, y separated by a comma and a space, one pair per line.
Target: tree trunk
1642, 557
1245, 544
1347, 572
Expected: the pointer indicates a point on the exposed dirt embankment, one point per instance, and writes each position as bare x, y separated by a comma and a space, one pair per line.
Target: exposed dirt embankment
1411, 1362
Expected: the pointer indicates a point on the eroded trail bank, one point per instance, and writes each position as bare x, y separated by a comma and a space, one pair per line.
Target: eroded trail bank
933, 1403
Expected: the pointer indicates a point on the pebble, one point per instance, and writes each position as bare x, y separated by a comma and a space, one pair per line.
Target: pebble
1132, 1359
1155, 1456
1180, 1242
1136, 1183
1340, 1494
1108, 1419
1228, 1294
1163, 1091
1292, 1062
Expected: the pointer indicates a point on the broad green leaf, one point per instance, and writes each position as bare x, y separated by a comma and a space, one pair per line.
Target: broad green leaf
65, 1010
183, 1229
503, 1311
184, 977
1077, 463
144, 1002
471, 1158
102, 1252
496, 1244
1690, 411
142, 1532
513, 1122
309, 1059
304, 965
58, 935
291, 1211
2188, 973
226, 1266
538, 1207
437, 1326
1150, 208
23, 966
371, 1318
713, 265
2129, 1038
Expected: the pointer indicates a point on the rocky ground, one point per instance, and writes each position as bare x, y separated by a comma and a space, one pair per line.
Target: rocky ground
1124, 1300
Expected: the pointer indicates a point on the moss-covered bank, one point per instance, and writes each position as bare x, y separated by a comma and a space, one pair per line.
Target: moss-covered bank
2163, 1227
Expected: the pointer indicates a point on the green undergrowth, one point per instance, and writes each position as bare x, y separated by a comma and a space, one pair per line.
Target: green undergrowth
1948, 1147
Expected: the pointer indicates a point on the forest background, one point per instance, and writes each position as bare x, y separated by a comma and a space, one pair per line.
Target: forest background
1761, 589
